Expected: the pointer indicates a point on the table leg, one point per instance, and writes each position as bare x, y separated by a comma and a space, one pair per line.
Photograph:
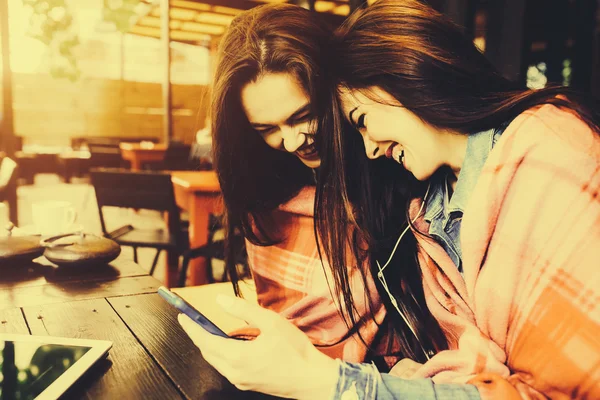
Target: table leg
136, 164
200, 209
172, 273
13, 202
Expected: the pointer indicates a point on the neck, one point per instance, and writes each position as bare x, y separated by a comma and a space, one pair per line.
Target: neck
455, 147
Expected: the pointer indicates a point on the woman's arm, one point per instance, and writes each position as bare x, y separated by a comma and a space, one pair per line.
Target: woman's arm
363, 381
282, 361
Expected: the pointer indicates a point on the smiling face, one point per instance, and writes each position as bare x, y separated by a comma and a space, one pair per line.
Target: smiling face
390, 130
278, 108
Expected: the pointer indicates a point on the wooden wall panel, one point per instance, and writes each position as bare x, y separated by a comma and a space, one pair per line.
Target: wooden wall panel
143, 94
51, 111
102, 124
185, 128
146, 125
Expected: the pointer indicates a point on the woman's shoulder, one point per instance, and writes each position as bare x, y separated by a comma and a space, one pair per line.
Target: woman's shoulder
549, 125
302, 204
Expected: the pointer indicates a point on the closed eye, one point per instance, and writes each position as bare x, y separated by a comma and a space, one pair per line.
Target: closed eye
360, 122
264, 131
302, 118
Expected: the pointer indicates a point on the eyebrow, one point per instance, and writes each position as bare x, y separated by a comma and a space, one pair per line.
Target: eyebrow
350, 115
290, 119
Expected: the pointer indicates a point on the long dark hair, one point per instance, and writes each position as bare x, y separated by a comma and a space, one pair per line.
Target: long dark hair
255, 178
423, 60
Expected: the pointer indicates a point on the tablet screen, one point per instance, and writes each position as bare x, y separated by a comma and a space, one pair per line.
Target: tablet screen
27, 368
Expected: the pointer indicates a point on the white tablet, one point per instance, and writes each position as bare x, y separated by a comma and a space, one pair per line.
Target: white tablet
44, 367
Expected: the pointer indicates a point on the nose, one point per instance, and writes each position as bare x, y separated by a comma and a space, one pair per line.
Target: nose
292, 138
371, 148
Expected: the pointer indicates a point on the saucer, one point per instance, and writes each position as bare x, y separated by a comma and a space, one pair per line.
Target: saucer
30, 230
80, 249
19, 249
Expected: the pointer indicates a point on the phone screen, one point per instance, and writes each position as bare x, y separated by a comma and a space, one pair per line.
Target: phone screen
190, 311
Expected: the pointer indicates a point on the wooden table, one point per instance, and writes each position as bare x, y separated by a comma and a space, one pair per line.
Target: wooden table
198, 193
151, 357
136, 153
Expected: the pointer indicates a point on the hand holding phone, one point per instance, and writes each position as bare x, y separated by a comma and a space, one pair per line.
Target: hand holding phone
196, 316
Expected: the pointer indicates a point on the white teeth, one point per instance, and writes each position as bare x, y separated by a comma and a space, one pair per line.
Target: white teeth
307, 146
399, 157
397, 152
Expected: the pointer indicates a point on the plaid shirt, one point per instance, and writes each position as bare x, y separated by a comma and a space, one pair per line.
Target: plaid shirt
528, 306
291, 280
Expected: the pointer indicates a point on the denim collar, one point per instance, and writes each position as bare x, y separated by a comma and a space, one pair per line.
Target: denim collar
479, 146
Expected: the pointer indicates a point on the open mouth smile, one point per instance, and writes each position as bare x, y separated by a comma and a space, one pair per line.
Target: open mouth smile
401, 157
308, 149
396, 154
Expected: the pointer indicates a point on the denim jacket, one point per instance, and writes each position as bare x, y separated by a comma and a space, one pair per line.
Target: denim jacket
444, 212
363, 381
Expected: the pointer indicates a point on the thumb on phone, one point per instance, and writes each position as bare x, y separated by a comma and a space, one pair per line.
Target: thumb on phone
194, 331
252, 313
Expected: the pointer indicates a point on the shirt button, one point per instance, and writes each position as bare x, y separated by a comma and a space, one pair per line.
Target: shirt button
350, 394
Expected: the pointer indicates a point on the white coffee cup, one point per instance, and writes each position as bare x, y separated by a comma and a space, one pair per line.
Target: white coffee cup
53, 217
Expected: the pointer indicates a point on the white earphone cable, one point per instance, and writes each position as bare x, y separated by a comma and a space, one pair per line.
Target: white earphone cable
384, 282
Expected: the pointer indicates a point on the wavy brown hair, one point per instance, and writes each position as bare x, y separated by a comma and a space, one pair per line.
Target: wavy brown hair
255, 178
422, 59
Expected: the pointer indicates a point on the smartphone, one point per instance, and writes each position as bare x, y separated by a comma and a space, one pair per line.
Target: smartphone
177, 302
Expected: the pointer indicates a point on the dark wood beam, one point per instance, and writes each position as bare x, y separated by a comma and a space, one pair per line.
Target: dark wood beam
166, 83
238, 4
7, 133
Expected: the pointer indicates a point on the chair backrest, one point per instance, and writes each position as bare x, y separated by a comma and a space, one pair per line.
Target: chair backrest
135, 189
105, 155
177, 157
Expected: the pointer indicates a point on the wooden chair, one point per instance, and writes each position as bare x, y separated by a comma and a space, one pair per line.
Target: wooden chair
214, 249
106, 155
140, 190
176, 158
154, 191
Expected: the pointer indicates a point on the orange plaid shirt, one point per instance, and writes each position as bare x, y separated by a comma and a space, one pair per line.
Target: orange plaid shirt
291, 280
527, 309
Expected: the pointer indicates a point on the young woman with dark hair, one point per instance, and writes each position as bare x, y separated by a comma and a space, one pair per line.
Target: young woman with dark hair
502, 223
264, 123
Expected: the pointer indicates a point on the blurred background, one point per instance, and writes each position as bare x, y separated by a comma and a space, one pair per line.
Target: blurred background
83, 68
81, 78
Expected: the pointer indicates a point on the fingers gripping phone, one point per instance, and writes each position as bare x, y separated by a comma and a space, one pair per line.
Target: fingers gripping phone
196, 316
